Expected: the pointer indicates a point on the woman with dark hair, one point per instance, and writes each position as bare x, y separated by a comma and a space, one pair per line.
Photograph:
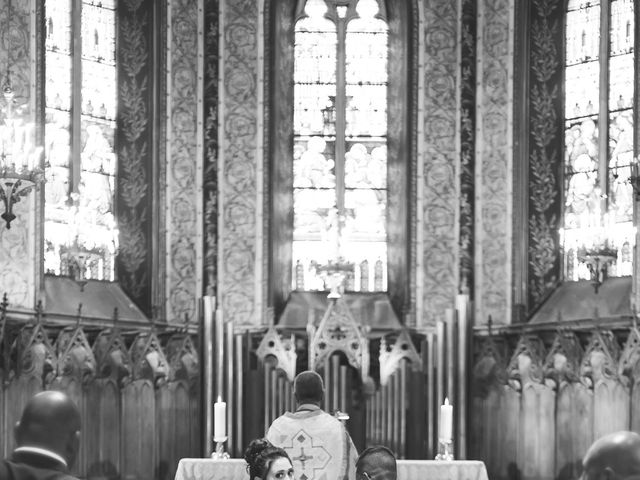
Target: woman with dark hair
267, 462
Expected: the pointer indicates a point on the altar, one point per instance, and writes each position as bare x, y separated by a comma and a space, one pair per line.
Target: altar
236, 469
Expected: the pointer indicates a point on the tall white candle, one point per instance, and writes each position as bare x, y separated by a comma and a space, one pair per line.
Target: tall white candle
219, 420
446, 421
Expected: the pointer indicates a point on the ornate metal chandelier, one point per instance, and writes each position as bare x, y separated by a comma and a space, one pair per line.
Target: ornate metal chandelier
20, 158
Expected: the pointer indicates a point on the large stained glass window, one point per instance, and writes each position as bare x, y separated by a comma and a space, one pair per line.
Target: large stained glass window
599, 77
79, 138
340, 144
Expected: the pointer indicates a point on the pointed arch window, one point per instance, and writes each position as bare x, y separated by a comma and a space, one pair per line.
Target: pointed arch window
80, 120
599, 133
341, 144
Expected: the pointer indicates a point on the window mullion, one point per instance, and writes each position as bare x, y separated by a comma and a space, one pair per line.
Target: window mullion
76, 97
603, 109
340, 114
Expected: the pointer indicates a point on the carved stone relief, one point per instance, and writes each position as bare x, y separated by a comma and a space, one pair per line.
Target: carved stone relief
183, 194
493, 157
238, 175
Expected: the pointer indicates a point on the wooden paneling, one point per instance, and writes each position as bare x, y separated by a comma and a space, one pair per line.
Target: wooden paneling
561, 392
136, 422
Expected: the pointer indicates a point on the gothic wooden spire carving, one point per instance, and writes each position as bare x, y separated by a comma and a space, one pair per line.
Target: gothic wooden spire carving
490, 365
112, 357
183, 358
600, 360
272, 345
75, 356
339, 332
390, 357
148, 359
527, 362
36, 356
629, 364
563, 360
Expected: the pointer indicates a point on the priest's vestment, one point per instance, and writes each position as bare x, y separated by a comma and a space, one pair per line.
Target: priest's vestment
317, 443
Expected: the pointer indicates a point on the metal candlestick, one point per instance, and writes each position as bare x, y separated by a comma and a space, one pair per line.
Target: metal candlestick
219, 453
445, 450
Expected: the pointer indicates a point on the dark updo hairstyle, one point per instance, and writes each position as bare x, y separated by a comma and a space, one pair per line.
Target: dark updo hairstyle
259, 456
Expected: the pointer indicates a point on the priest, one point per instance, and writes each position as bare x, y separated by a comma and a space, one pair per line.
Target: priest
317, 443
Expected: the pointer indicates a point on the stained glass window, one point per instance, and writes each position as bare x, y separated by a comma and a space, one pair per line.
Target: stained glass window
79, 137
340, 146
598, 133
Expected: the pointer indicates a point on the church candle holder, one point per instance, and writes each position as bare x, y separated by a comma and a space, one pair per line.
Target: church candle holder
445, 450
219, 453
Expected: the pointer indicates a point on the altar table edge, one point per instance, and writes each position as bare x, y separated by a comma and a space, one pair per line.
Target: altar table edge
236, 469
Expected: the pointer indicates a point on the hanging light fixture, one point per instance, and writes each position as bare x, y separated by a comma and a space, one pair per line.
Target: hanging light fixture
20, 158
85, 256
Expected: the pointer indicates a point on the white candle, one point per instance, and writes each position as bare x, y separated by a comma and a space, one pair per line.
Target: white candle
219, 420
446, 421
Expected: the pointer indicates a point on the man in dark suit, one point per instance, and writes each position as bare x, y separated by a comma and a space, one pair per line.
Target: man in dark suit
376, 463
613, 457
48, 439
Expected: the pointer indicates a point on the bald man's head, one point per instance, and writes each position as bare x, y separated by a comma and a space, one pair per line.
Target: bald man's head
376, 463
50, 420
308, 387
616, 455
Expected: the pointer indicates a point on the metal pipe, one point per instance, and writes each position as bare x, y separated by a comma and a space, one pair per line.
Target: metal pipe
267, 397
287, 395
335, 374
327, 386
403, 409
385, 412
451, 367
281, 400
440, 363
230, 384
367, 421
380, 415
427, 361
396, 411
391, 387
219, 354
274, 393
343, 388
462, 307
239, 393
208, 308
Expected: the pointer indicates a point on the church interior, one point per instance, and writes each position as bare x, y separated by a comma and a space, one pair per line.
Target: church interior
425, 201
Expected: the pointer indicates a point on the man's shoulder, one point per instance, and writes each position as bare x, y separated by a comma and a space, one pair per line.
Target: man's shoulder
13, 470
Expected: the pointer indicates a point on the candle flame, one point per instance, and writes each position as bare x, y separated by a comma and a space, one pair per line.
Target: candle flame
446, 401
219, 399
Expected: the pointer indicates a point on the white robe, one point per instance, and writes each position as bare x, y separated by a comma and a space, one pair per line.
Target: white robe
317, 443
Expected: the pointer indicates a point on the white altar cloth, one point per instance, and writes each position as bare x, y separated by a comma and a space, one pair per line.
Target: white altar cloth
236, 469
